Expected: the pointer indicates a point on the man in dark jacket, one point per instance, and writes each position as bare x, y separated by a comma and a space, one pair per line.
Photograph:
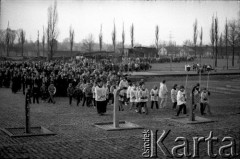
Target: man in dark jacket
35, 93
196, 95
52, 91
70, 92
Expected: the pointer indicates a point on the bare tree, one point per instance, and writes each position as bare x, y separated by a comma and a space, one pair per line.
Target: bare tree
71, 38
43, 41
201, 36
233, 37
221, 44
188, 43
10, 37
88, 43
123, 38
52, 31
21, 39
216, 40
195, 35
132, 35
7, 39
157, 37
212, 36
226, 41
2, 41
100, 39
114, 37
38, 42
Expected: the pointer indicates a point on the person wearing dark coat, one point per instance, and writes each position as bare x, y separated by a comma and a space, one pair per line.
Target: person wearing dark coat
29, 82
44, 92
36, 93
70, 92
78, 94
52, 90
38, 82
19, 84
14, 83
196, 95
24, 78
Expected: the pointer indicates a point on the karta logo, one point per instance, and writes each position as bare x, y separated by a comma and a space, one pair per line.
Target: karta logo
152, 144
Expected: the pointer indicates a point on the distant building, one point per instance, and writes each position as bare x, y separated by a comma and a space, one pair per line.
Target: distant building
162, 52
142, 52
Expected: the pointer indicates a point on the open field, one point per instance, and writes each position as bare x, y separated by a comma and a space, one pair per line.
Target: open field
78, 138
222, 65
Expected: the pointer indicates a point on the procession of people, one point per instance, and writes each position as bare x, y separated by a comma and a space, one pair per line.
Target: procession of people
94, 84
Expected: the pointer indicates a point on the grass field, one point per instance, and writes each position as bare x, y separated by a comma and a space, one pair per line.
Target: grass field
222, 64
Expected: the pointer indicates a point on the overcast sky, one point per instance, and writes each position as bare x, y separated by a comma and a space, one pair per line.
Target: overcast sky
173, 17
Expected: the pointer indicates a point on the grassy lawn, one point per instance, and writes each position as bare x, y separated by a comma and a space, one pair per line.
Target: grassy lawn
222, 64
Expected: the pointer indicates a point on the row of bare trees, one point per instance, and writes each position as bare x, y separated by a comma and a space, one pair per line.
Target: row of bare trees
229, 37
88, 42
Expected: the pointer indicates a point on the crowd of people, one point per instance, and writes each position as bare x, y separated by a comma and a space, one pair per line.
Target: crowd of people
92, 84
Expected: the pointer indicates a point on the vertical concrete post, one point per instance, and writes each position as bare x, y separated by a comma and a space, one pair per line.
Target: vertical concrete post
27, 113
115, 109
192, 114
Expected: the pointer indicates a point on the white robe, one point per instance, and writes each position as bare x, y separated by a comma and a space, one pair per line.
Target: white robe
163, 91
100, 93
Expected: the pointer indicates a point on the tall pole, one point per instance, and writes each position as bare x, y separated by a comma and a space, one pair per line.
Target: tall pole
192, 114
208, 79
27, 112
200, 72
115, 110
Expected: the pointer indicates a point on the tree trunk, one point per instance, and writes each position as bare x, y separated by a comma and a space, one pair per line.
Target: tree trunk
7, 50
233, 56
195, 51
22, 50
51, 53
239, 59
227, 57
216, 54
213, 55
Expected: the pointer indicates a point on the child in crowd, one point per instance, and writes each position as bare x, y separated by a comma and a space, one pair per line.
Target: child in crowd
121, 98
138, 105
52, 91
94, 94
133, 96
196, 95
174, 92
35, 93
128, 91
204, 102
100, 96
88, 94
111, 93
143, 95
154, 97
78, 93
181, 101
70, 93
44, 92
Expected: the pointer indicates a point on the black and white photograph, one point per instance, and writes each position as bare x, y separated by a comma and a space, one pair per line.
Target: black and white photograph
119, 79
